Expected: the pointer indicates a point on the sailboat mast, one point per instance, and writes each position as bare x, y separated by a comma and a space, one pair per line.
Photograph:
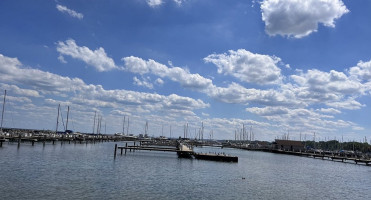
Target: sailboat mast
162, 131
202, 131
56, 128
146, 129
95, 115
68, 112
170, 131
128, 127
2, 113
98, 123
123, 125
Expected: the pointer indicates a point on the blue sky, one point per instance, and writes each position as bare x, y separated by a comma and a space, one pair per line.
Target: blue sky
278, 66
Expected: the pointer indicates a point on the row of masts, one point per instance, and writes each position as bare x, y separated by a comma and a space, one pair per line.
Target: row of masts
199, 133
243, 135
316, 138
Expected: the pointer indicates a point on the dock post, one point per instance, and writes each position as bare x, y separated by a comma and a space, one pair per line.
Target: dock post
53, 141
115, 151
126, 146
134, 147
1, 143
33, 142
121, 151
19, 140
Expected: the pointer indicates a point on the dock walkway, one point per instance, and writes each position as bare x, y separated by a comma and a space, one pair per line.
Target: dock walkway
182, 150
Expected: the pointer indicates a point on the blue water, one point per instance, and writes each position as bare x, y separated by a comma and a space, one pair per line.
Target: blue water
89, 171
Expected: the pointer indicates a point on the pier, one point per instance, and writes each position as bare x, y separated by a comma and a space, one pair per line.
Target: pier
318, 155
182, 150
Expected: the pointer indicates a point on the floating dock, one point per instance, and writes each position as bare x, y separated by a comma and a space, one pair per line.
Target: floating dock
182, 151
215, 157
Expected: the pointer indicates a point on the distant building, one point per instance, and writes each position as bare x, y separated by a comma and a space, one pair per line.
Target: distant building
289, 145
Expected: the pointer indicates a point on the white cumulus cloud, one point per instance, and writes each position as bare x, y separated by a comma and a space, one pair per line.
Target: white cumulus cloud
247, 66
362, 71
299, 18
316, 86
144, 82
96, 58
159, 81
176, 74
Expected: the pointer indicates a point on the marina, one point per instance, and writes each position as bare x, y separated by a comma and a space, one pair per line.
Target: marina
169, 145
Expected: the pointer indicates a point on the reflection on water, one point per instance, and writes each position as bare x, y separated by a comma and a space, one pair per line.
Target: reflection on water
75, 171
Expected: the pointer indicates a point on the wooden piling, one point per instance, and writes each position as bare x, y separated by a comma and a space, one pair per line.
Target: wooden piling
115, 151
126, 145
19, 140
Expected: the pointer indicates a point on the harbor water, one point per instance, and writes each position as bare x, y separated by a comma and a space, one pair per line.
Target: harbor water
89, 171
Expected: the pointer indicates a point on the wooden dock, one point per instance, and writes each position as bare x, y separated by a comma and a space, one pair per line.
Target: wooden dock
182, 151
320, 155
215, 157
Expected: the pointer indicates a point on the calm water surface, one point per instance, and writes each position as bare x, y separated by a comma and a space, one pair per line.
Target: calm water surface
89, 171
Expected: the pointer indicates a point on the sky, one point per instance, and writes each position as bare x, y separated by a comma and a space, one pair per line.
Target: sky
280, 68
